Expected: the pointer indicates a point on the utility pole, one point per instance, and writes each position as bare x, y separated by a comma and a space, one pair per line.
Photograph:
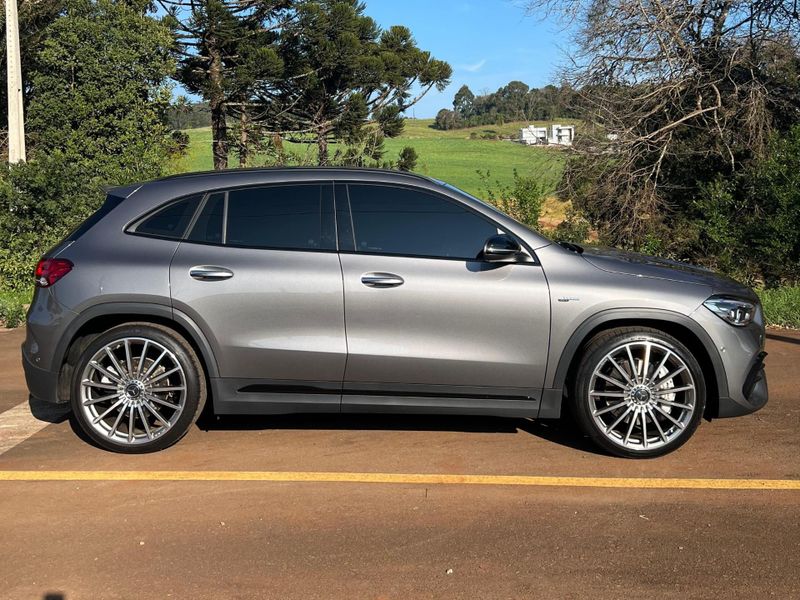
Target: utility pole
16, 121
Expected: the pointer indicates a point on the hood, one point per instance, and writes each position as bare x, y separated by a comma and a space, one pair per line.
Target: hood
642, 265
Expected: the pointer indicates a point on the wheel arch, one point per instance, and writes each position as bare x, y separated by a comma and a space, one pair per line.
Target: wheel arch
675, 324
101, 317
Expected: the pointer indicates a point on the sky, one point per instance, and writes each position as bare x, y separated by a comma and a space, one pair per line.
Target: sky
487, 43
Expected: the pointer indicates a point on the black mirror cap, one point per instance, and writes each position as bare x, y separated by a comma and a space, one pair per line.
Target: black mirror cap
501, 248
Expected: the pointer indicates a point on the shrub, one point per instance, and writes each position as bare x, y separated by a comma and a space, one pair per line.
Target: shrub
408, 159
521, 200
781, 306
575, 228
12, 308
40, 202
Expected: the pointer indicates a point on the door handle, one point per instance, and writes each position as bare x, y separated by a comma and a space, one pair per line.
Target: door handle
381, 280
210, 273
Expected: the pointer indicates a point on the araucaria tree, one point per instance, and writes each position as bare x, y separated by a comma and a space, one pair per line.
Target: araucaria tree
226, 49
677, 93
342, 71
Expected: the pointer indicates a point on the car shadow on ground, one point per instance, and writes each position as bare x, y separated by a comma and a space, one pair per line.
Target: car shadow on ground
559, 431
783, 338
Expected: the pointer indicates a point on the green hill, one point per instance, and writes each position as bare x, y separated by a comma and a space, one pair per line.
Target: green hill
454, 156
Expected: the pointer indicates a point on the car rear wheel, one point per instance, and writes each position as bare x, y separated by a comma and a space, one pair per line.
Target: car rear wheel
138, 388
639, 392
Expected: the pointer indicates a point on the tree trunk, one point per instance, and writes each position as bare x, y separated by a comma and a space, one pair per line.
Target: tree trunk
244, 150
219, 126
322, 145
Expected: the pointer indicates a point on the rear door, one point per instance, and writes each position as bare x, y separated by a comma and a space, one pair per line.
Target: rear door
259, 273
425, 316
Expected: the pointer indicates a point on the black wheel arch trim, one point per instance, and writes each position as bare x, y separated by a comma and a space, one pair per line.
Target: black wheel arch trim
606, 317
139, 309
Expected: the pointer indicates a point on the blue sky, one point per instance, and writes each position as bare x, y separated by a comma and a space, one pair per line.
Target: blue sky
487, 42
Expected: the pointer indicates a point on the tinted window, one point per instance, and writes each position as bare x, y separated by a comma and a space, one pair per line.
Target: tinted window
208, 227
172, 220
391, 220
110, 204
290, 217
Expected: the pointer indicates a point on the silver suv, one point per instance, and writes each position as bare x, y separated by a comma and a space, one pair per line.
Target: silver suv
344, 290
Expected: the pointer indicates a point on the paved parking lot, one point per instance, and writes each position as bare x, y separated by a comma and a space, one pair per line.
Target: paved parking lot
404, 522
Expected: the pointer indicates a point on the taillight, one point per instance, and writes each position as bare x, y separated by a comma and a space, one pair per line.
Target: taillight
50, 270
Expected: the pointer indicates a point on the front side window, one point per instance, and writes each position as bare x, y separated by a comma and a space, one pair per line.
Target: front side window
292, 217
394, 220
172, 220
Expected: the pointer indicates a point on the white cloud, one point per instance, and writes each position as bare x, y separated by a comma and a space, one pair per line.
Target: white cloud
475, 67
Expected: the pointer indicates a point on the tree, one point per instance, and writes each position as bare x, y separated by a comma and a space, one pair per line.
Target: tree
98, 89
512, 102
226, 49
34, 17
445, 119
408, 159
181, 109
343, 70
463, 102
676, 93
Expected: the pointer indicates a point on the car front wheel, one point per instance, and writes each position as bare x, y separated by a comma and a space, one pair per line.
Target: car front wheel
639, 392
137, 388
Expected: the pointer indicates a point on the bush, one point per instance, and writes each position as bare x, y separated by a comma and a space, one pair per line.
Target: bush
575, 228
781, 306
408, 159
12, 308
522, 200
40, 202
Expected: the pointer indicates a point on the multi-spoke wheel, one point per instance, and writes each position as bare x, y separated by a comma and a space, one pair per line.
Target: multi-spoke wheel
638, 392
137, 388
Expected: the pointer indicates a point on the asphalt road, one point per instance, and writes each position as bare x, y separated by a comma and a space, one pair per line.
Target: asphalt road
147, 537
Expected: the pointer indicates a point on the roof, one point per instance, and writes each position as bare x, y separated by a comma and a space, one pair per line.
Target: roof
231, 175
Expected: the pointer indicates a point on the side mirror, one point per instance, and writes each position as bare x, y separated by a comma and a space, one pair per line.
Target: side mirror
501, 248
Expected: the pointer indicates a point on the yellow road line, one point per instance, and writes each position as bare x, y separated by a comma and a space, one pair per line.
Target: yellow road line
409, 478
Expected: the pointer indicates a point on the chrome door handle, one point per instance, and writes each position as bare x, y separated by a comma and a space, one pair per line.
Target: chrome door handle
210, 273
381, 280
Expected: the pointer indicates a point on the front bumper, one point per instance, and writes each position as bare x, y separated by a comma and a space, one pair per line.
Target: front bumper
754, 392
742, 384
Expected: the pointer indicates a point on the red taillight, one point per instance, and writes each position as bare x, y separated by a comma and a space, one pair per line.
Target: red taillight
50, 270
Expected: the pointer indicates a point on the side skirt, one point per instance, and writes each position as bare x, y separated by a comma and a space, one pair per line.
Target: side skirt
255, 397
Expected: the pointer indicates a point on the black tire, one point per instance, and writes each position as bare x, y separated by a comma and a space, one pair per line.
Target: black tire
194, 394
593, 355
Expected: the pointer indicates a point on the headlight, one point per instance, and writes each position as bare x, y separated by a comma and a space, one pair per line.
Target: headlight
734, 311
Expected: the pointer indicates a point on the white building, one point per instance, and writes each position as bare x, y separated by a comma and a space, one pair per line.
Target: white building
559, 135
533, 135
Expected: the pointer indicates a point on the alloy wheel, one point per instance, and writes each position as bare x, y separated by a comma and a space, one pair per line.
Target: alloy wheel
133, 390
642, 395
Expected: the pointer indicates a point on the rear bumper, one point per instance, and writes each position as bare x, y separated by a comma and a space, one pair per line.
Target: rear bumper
754, 393
42, 384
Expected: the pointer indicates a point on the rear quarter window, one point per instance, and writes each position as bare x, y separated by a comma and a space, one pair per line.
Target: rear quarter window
111, 202
170, 221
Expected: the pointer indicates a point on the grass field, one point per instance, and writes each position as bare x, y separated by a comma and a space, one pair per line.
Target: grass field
448, 155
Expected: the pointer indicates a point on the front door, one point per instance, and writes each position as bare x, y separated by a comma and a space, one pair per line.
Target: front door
260, 275
425, 317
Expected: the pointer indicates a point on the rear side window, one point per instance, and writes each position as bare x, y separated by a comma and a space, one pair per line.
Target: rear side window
393, 220
291, 217
172, 220
208, 227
